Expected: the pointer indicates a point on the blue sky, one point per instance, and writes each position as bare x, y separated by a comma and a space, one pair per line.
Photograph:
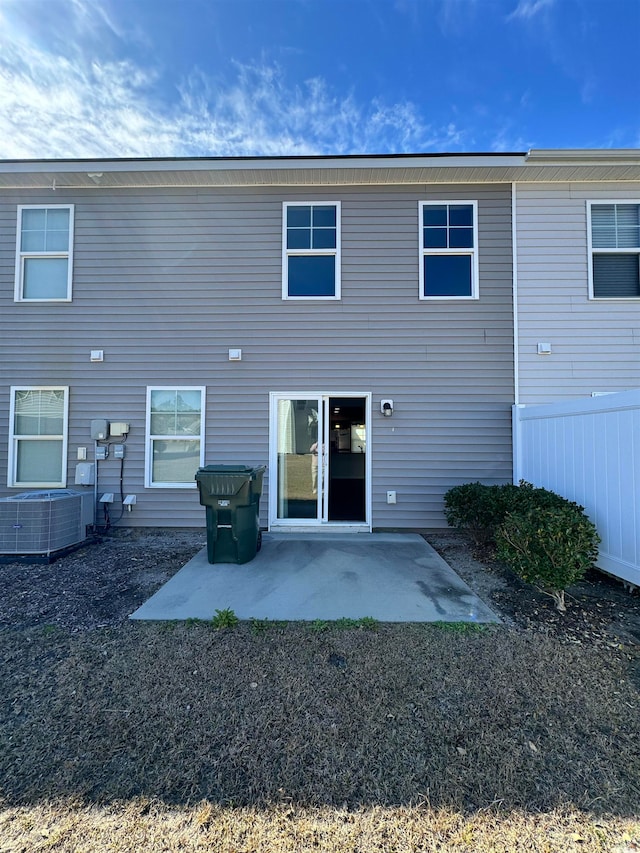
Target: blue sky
145, 78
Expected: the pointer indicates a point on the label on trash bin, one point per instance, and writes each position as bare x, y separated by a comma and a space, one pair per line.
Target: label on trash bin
224, 503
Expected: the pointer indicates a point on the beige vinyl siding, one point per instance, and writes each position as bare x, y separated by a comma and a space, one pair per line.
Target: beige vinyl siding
167, 280
596, 343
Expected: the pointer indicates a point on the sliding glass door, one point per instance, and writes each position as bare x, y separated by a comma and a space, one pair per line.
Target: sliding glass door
299, 443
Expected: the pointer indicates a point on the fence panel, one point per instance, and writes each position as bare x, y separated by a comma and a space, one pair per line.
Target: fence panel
588, 451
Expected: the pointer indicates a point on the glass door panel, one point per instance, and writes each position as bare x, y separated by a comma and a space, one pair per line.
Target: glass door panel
299, 433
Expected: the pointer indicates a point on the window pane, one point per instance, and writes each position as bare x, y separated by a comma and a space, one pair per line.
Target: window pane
299, 238
175, 461
39, 462
34, 220
616, 276
39, 413
163, 401
32, 241
163, 424
324, 238
628, 238
324, 216
299, 216
45, 278
434, 214
603, 215
58, 220
460, 214
188, 401
435, 238
603, 238
461, 238
57, 241
312, 276
447, 275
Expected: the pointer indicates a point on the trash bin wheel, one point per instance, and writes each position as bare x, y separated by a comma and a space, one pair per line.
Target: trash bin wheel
259, 544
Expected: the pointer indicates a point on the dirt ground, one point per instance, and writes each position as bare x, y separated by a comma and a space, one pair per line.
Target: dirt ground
290, 736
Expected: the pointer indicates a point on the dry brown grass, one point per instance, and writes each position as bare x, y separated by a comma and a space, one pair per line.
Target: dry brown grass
409, 738
119, 736
140, 824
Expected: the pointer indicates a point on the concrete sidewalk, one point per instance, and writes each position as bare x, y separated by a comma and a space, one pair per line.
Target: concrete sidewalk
389, 577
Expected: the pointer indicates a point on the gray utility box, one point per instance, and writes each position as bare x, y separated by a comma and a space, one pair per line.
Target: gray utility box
231, 495
44, 521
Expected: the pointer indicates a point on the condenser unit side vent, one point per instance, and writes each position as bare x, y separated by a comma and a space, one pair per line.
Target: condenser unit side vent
43, 522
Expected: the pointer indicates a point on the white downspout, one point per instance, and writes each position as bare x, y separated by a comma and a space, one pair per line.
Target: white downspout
516, 459
514, 262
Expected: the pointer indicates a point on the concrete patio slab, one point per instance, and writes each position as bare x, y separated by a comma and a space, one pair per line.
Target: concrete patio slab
389, 577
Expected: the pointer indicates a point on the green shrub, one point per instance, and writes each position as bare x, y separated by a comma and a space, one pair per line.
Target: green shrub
475, 508
547, 541
480, 509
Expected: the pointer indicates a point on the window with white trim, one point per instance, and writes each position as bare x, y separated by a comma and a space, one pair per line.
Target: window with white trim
38, 437
175, 436
311, 250
44, 253
448, 250
614, 250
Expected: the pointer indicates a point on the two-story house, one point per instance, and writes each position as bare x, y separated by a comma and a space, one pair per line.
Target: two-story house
363, 325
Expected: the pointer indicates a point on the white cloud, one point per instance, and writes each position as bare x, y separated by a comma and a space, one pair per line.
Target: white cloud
527, 9
77, 100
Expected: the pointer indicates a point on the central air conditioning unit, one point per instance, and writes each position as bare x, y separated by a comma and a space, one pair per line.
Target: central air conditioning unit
45, 521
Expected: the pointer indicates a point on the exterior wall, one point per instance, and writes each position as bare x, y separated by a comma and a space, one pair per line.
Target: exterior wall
167, 280
595, 343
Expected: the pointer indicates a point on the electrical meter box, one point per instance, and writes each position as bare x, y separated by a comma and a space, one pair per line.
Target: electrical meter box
99, 429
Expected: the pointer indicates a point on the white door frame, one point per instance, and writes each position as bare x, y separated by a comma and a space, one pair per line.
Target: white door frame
322, 523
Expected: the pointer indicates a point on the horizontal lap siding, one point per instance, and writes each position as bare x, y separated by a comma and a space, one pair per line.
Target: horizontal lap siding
595, 343
166, 281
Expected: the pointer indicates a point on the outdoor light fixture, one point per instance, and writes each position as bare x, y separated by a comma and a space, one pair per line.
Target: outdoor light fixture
386, 407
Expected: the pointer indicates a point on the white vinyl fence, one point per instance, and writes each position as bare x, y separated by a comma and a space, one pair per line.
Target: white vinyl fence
588, 451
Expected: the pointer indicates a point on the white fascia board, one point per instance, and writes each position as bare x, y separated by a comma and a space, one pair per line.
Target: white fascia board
584, 156
260, 164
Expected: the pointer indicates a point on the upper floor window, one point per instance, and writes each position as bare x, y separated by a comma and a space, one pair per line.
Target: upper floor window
44, 254
175, 436
38, 437
311, 250
614, 231
448, 250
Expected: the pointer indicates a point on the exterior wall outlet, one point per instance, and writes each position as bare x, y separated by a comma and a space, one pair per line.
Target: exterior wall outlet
544, 348
391, 497
97, 355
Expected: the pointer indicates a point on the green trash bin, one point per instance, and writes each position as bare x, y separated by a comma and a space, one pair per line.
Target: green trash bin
231, 495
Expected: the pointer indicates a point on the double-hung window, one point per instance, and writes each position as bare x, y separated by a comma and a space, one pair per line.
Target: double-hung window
614, 250
44, 253
38, 437
311, 250
175, 436
448, 250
